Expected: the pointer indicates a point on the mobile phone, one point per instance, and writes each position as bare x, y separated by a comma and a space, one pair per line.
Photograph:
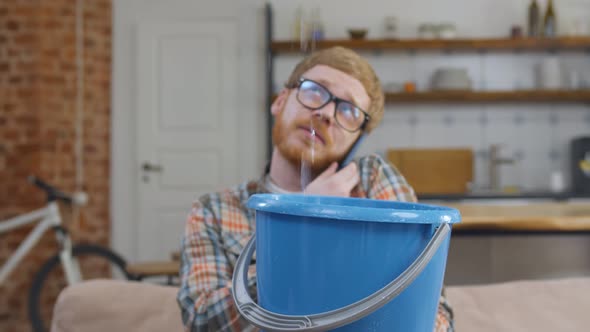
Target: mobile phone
350, 155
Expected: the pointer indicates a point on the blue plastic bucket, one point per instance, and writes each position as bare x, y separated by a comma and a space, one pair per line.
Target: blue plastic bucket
344, 264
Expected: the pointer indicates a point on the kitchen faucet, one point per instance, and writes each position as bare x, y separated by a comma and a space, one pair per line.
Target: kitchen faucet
494, 162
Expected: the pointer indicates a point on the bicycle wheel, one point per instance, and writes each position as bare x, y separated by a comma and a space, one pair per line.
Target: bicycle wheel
94, 261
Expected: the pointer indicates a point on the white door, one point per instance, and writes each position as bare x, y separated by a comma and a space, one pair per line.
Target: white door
187, 123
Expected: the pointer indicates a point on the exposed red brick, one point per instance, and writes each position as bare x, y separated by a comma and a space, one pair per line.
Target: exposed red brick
12, 26
37, 125
24, 38
53, 25
24, 11
15, 79
8, 107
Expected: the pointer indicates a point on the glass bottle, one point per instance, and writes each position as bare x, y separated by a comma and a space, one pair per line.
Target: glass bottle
550, 22
301, 28
317, 27
297, 23
534, 19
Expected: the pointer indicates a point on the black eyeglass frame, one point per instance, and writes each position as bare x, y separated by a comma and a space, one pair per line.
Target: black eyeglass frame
336, 101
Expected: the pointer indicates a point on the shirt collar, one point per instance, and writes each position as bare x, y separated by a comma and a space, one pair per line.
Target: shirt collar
267, 184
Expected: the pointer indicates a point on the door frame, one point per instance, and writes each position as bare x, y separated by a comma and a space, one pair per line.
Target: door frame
127, 15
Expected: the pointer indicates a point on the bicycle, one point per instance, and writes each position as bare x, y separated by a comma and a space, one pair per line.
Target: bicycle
79, 261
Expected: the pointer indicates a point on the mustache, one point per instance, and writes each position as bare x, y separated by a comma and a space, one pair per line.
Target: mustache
320, 129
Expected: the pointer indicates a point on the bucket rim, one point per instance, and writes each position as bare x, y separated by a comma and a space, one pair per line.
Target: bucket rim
353, 208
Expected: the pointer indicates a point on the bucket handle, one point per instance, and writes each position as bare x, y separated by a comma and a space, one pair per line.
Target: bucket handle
270, 321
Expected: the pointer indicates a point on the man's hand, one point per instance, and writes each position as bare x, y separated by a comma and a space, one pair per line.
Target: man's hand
335, 183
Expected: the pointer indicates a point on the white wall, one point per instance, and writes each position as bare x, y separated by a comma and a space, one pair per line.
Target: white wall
537, 135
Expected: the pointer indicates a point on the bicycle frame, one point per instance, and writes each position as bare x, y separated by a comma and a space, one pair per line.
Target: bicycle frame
49, 217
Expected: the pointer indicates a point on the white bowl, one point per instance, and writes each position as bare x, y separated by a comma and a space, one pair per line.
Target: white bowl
451, 79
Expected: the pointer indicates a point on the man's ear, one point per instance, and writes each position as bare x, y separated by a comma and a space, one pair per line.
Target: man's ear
279, 102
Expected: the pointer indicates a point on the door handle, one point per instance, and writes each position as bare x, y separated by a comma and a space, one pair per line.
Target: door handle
147, 167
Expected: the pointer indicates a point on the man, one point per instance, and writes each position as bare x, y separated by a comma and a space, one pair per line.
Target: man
330, 100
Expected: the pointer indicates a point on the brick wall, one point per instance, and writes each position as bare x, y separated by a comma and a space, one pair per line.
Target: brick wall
37, 126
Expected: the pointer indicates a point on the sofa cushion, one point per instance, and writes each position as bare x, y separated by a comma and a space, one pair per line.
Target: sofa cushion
542, 305
116, 306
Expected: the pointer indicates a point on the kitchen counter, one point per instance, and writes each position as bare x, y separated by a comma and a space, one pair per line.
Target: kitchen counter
533, 217
516, 239
498, 195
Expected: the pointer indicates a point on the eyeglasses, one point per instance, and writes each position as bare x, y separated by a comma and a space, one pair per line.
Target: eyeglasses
314, 96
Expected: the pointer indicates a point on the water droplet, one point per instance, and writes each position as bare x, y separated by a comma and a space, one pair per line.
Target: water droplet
306, 175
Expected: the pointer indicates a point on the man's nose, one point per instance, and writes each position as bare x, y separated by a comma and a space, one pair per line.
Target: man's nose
326, 113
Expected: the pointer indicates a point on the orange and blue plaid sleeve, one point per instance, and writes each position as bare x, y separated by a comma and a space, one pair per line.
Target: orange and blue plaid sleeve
205, 296
380, 180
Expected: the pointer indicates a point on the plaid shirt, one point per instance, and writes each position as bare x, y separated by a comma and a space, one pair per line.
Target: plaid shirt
220, 225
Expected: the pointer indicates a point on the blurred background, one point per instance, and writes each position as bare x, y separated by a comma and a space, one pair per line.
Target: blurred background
145, 105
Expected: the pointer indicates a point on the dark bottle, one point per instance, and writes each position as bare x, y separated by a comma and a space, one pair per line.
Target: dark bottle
534, 19
550, 22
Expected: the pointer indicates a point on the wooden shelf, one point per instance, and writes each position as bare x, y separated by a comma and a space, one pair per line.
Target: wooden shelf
520, 96
508, 44
524, 96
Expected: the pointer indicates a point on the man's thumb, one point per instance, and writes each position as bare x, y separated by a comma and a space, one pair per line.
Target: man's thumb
329, 171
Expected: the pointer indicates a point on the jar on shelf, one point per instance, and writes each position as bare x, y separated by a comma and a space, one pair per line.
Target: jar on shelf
446, 31
427, 31
390, 27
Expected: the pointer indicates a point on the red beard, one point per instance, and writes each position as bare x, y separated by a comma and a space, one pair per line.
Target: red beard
318, 156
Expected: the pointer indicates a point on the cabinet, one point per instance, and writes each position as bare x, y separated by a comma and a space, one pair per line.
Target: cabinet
580, 44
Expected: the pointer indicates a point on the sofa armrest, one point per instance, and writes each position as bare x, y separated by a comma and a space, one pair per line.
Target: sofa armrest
113, 305
540, 305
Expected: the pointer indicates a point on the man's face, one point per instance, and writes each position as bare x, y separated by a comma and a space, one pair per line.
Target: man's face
295, 124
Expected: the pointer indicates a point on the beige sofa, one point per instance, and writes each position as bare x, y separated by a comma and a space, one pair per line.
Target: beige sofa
552, 305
